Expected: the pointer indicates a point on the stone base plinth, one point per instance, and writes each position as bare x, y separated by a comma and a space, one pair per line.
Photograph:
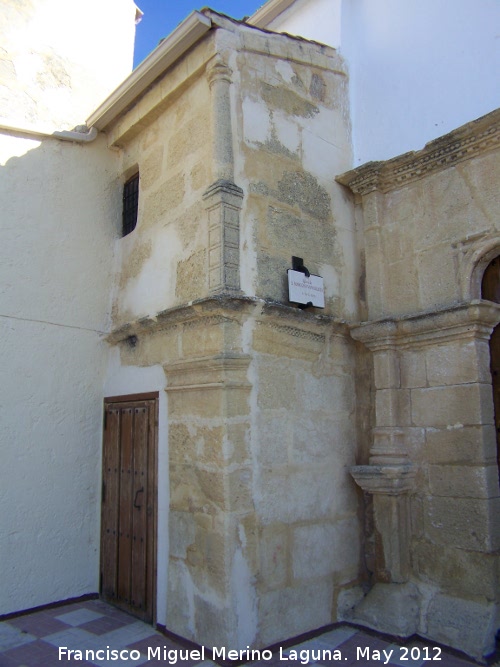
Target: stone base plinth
390, 608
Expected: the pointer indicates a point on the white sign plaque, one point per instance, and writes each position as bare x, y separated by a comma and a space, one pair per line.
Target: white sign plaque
304, 290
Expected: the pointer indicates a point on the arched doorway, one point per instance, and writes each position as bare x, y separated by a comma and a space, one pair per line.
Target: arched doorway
490, 290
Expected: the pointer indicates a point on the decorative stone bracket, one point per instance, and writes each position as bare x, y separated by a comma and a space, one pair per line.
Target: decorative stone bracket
390, 486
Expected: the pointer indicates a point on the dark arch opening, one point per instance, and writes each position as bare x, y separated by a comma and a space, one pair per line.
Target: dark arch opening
490, 290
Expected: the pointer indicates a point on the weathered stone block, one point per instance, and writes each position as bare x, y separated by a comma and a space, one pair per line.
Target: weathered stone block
463, 481
274, 551
205, 402
213, 624
386, 370
161, 202
400, 287
180, 600
289, 612
191, 280
185, 493
202, 341
393, 407
157, 348
448, 406
457, 572
182, 530
436, 273
273, 433
331, 547
330, 395
465, 523
466, 625
236, 441
461, 444
316, 438
459, 362
286, 341
413, 368
391, 608
151, 167
288, 494
276, 385
181, 443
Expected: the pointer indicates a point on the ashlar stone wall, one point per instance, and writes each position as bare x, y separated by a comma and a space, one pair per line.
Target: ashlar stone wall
166, 137
237, 146
430, 228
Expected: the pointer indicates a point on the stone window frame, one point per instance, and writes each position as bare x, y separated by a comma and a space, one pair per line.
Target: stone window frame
475, 260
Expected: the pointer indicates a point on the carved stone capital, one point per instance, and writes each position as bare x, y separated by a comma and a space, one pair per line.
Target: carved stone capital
219, 71
223, 191
389, 480
475, 319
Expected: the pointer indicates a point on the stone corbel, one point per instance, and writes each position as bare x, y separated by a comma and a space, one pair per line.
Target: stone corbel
390, 475
390, 486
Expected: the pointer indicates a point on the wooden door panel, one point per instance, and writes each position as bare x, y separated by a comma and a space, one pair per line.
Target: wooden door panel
129, 505
110, 496
125, 505
139, 521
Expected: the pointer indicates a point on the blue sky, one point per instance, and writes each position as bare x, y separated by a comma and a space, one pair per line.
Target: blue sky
162, 16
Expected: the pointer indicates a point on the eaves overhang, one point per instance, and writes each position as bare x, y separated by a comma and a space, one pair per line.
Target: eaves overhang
268, 12
173, 47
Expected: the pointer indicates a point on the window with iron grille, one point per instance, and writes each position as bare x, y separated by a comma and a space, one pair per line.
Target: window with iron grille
130, 204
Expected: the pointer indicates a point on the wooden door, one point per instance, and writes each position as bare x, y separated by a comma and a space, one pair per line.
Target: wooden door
495, 379
128, 510
490, 290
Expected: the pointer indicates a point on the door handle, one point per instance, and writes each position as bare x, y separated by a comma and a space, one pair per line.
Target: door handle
141, 490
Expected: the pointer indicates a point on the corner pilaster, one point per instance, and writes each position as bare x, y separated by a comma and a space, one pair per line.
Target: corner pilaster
223, 202
223, 199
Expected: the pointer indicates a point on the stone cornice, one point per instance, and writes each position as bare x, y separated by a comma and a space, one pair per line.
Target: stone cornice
228, 307
475, 319
468, 141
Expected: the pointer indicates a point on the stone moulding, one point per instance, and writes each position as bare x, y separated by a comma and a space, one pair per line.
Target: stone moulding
223, 370
468, 141
228, 307
388, 480
473, 319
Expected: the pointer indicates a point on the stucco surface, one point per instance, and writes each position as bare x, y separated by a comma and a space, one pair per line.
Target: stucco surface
55, 307
49, 77
401, 57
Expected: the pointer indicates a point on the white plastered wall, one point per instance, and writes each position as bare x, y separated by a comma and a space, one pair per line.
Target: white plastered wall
60, 59
319, 20
418, 69
60, 216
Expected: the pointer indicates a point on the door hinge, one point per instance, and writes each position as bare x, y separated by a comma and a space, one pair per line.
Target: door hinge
105, 420
103, 497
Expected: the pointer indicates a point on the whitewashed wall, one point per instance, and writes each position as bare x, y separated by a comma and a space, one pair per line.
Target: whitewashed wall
418, 69
60, 216
60, 59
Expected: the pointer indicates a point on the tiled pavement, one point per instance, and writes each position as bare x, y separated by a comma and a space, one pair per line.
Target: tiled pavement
33, 640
